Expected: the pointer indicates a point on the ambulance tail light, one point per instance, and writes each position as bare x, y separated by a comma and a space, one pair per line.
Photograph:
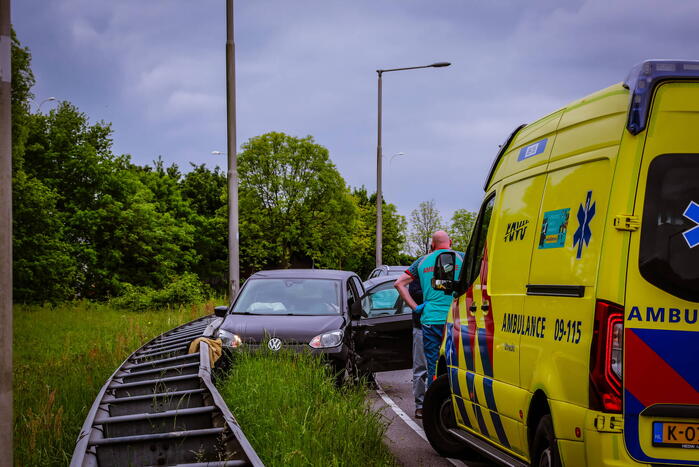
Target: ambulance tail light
606, 357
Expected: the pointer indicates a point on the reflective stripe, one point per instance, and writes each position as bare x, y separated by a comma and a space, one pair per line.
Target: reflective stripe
497, 423
462, 411
483, 350
476, 408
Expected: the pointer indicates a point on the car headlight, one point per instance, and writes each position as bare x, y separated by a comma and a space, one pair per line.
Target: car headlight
329, 339
228, 339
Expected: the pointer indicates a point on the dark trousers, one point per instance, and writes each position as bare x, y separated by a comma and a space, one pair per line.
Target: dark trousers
432, 339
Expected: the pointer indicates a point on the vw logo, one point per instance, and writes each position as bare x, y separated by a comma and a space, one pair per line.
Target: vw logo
274, 344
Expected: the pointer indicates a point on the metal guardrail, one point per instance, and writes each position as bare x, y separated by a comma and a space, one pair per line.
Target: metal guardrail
160, 407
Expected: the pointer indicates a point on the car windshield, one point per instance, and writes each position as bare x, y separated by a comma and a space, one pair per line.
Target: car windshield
289, 297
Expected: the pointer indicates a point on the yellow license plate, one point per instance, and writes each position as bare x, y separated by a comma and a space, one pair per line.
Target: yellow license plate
676, 435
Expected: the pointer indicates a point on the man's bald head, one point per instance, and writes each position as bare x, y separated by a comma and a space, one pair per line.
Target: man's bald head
440, 240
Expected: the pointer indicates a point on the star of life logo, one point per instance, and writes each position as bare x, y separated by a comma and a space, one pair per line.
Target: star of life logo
585, 215
691, 236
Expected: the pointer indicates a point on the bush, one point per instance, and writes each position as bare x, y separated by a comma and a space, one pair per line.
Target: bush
182, 290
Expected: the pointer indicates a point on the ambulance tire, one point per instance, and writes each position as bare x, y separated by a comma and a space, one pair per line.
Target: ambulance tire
438, 417
545, 447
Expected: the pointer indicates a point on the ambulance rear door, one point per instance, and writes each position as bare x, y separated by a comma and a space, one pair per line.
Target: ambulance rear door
660, 324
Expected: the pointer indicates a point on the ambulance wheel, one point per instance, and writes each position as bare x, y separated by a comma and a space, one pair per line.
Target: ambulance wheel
545, 448
438, 417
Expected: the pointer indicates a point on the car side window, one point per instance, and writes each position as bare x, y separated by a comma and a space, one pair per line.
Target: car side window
382, 300
358, 286
351, 295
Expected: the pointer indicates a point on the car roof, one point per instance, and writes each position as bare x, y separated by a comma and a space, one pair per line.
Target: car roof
378, 280
391, 268
303, 274
397, 268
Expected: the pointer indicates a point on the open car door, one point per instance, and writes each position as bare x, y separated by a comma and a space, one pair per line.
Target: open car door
383, 336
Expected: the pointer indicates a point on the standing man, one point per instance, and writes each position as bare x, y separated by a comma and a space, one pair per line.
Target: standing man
436, 305
419, 366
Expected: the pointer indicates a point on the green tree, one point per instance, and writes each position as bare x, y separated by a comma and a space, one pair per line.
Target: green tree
207, 192
462, 222
44, 268
205, 189
88, 223
295, 209
424, 221
393, 234
21, 96
124, 224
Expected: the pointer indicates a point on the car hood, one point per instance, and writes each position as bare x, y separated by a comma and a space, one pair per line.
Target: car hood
301, 329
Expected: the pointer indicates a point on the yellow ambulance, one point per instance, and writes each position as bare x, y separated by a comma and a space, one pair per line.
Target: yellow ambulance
573, 338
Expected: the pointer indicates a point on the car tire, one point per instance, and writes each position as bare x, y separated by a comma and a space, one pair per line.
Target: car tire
545, 447
438, 417
347, 375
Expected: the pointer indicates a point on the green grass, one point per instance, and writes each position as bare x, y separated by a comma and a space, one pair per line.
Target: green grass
293, 414
62, 356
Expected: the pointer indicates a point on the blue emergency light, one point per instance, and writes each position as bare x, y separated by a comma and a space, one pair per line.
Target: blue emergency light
642, 80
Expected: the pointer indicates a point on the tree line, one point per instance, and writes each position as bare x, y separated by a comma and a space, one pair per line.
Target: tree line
91, 224
88, 223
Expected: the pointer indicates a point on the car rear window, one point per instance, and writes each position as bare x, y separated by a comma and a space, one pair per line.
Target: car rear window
669, 252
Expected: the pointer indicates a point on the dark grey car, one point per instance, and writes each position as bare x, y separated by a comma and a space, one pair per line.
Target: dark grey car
321, 311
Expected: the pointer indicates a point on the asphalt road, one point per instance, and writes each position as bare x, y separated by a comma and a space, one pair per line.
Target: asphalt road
404, 436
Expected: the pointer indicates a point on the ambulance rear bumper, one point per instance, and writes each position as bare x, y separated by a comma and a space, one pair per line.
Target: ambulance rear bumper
606, 449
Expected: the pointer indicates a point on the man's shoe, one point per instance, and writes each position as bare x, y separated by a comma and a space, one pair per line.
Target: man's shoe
418, 413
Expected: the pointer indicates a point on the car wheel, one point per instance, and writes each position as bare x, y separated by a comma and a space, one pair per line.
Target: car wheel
438, 417
545, 448
348, 374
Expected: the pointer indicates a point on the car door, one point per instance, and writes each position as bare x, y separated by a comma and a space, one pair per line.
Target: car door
383, 335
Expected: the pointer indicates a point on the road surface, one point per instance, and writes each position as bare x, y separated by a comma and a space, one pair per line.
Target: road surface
404, 436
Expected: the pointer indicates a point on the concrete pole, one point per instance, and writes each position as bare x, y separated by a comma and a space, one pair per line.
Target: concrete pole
379, 196
5, 236
233, 246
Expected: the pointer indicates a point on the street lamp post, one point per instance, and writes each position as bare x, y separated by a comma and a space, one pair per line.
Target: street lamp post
233, 246
48, 99
394, 156
379, 200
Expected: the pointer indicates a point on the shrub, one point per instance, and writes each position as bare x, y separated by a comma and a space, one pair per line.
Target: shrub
183, 290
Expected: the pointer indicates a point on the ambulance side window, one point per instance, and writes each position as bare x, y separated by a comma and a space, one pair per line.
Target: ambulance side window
474, 255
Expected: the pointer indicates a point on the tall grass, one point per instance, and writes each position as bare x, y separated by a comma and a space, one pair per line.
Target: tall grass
293, 414
62, 356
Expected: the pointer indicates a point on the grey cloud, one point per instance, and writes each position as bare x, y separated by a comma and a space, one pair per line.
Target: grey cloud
156, 69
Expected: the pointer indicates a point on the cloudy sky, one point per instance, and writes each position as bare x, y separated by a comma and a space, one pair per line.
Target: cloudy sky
156, 70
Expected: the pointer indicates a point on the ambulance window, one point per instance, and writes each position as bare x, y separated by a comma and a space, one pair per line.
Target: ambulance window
475, 246
669, 251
